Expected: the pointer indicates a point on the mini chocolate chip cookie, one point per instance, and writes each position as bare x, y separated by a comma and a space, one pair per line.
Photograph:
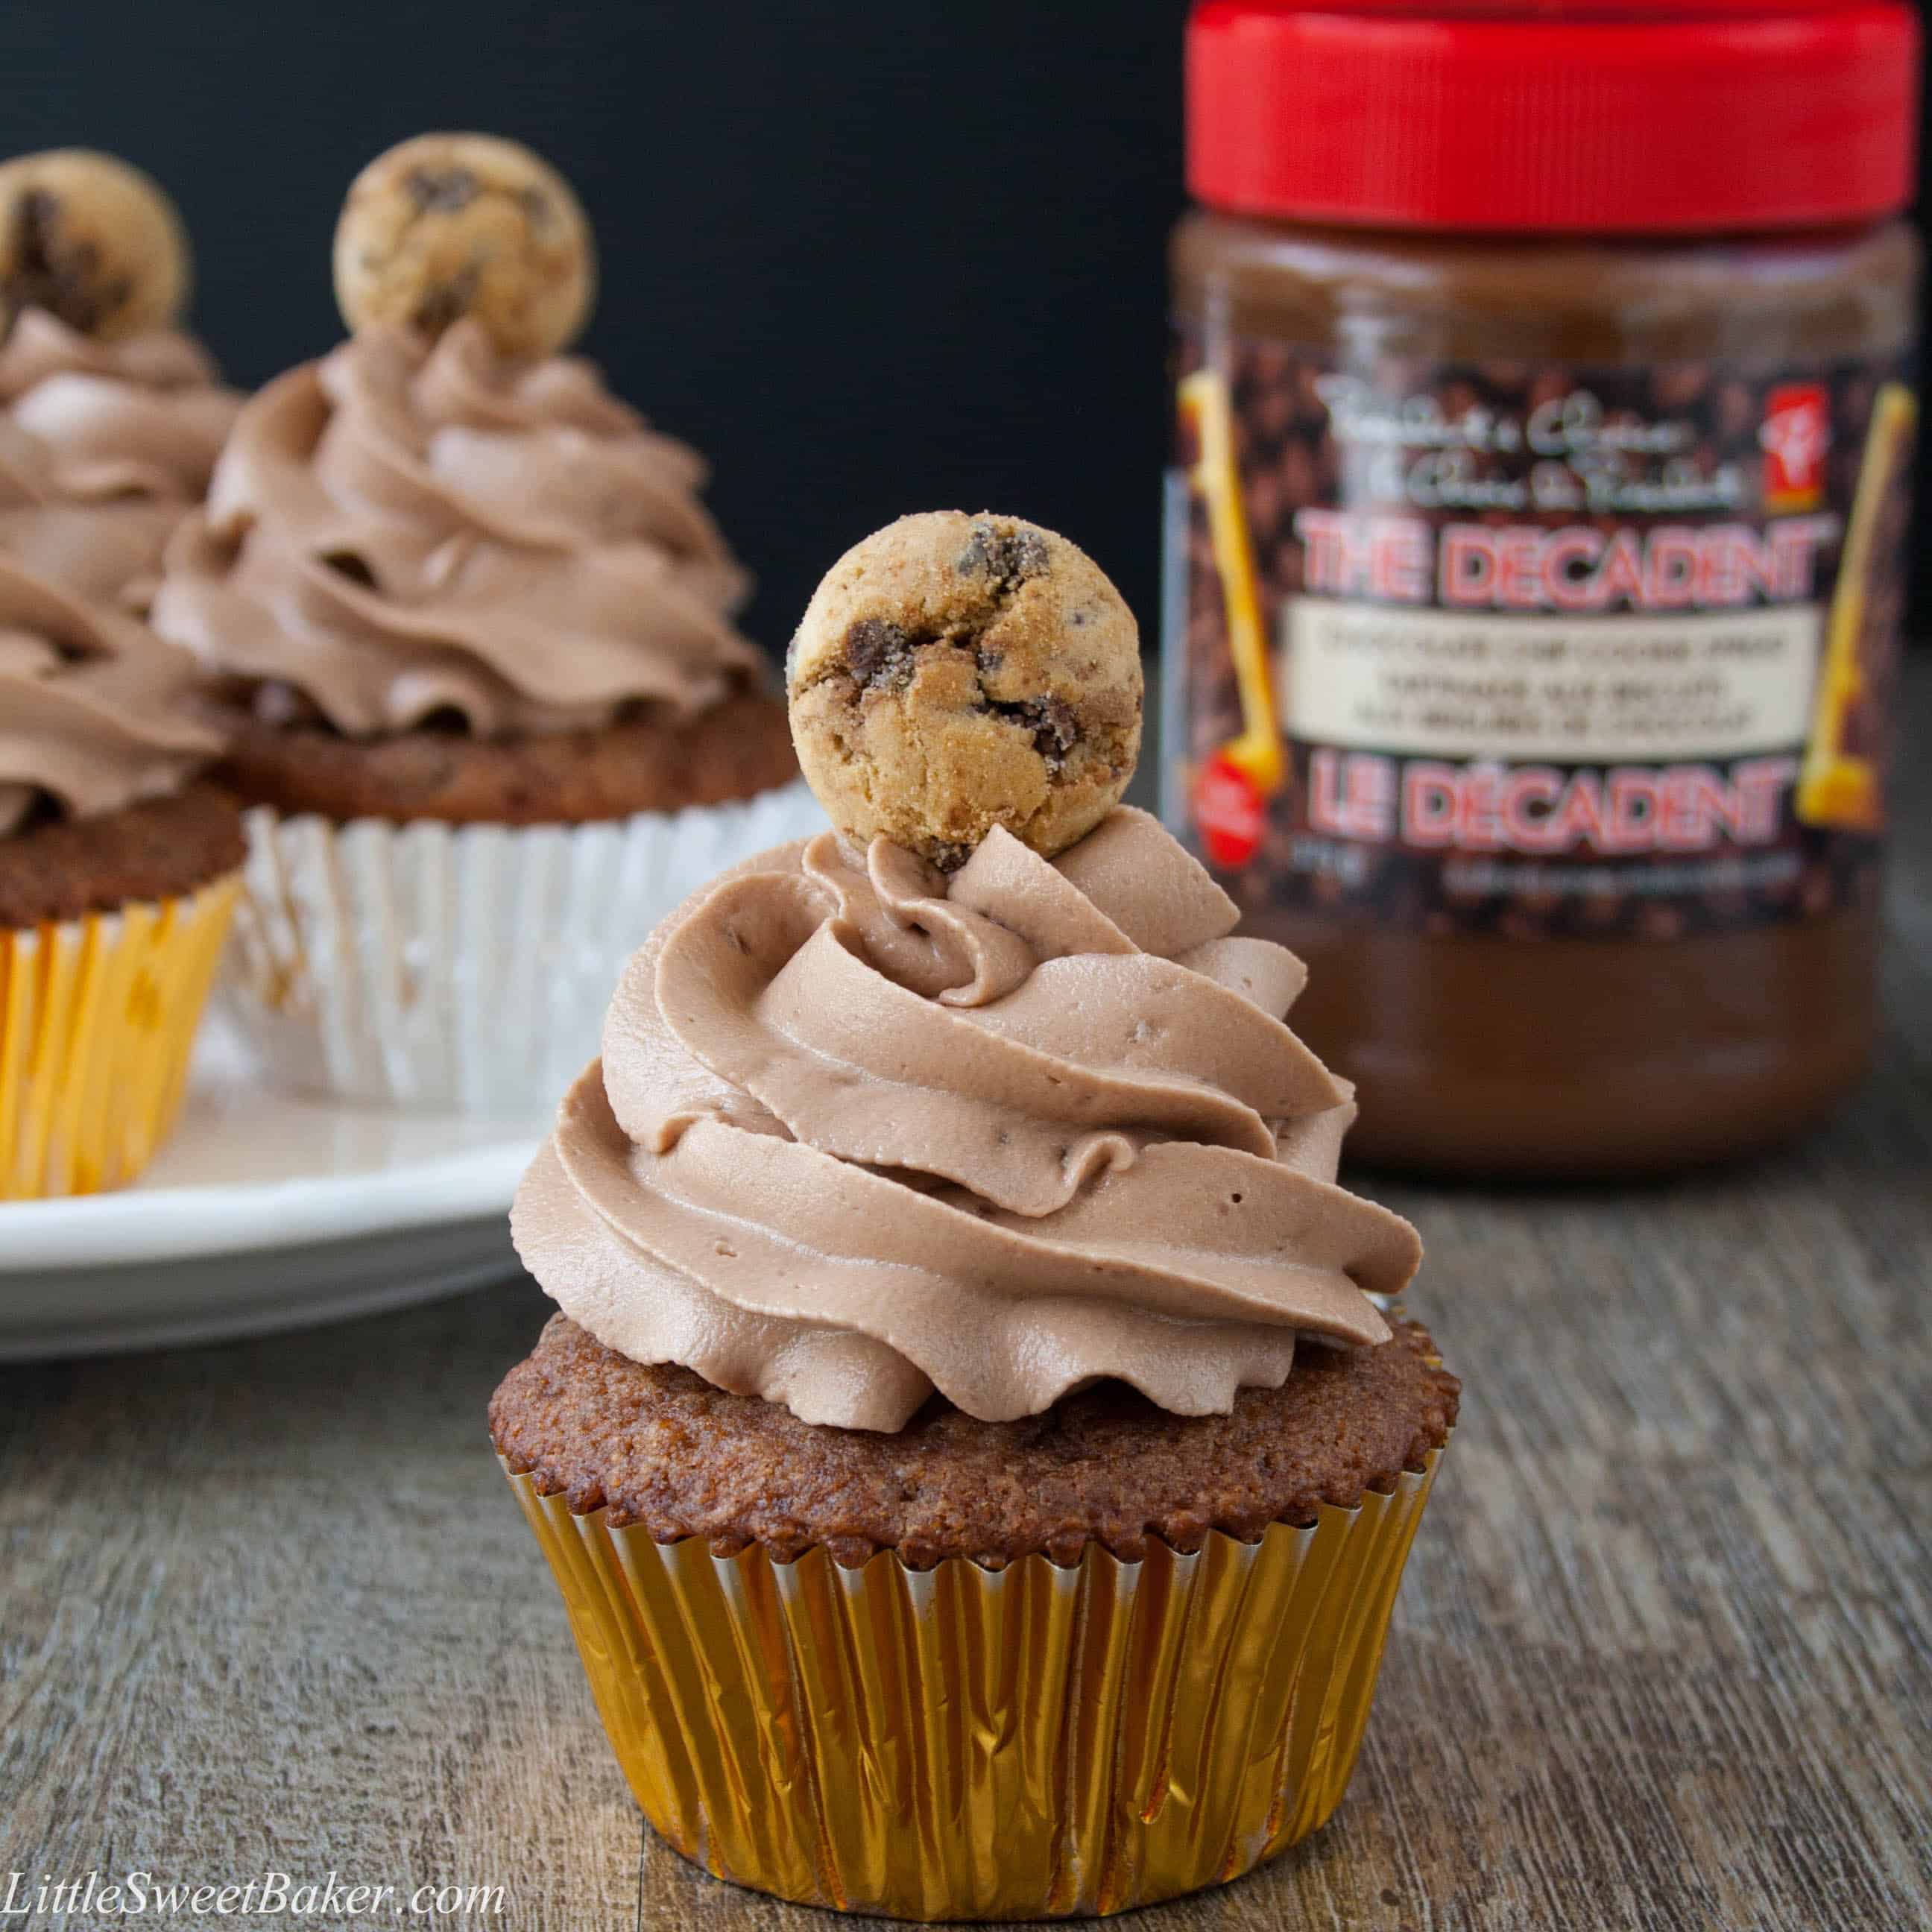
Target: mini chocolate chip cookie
953, 673
450, 225
92, 241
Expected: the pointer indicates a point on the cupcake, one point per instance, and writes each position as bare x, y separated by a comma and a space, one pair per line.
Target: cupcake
969, 1447
486, 705
118, 860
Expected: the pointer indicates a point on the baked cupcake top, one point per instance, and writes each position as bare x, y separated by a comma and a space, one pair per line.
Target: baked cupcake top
105, 447
426, 526
863, 1129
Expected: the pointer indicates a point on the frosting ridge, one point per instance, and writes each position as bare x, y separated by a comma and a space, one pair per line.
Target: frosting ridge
104, 448
861, 1131
401, 529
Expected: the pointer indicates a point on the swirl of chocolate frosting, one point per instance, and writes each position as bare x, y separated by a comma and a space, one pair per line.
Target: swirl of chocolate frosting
861, 1131
104, 448
404, 529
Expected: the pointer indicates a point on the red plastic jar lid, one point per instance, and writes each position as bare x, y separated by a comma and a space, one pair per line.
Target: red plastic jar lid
1630, 117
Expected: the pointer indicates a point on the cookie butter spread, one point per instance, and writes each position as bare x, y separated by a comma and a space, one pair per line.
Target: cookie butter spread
408, 531
1537, 543
863, 1130
104, 448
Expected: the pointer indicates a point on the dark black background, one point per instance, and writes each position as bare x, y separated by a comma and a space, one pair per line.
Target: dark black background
873, 255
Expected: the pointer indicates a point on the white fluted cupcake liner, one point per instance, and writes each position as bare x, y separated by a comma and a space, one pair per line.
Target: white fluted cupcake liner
461, 968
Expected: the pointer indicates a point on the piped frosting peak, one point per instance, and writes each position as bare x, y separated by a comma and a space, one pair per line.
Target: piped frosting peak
863, 1131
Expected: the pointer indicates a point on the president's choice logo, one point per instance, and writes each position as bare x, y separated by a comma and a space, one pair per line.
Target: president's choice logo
1796, 436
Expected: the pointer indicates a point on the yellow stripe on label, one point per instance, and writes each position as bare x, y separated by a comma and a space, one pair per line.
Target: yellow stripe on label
1837, 787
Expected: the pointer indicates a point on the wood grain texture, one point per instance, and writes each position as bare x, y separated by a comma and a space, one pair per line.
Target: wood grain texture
1663, 1659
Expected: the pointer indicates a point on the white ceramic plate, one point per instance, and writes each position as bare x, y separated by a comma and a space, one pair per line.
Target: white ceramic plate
262, 1213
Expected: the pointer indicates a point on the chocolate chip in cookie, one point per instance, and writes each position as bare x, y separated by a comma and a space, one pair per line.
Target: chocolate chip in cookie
452, 225
953, 673
1008, 555
90, 240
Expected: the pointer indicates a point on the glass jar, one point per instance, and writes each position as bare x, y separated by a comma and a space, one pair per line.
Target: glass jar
1536, 555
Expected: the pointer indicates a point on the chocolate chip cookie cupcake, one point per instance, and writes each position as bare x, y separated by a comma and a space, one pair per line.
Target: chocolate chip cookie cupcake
473, 628
971, 1447
118, 860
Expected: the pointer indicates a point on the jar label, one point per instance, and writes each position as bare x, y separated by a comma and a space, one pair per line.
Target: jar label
1543, 650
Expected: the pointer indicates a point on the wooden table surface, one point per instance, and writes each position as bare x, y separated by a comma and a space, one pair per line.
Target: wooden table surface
1663, 1658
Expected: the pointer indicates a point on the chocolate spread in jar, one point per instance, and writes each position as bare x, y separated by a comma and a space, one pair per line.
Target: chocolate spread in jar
1533, 595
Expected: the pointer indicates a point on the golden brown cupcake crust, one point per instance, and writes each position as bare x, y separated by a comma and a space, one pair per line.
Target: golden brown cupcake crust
660, 1448
159, 849
733, 751
955, 672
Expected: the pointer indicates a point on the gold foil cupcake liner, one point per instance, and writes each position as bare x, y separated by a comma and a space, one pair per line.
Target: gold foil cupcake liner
963, 1743
97, 1017
462, 968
